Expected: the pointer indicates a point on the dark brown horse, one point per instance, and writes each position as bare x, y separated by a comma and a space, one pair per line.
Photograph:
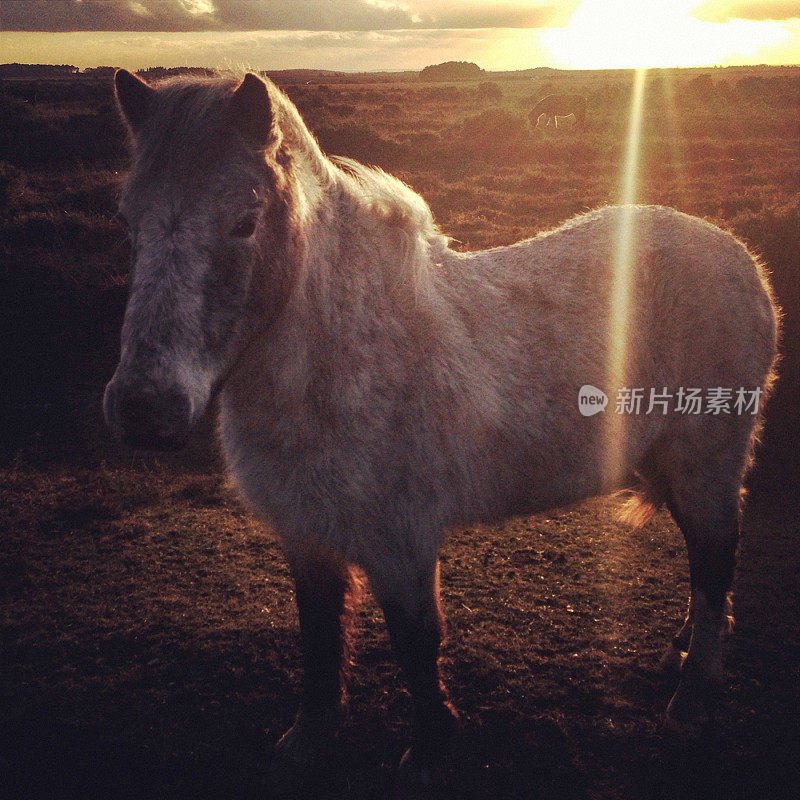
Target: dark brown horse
559, 105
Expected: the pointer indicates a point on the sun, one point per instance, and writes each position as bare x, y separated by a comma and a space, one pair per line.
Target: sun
632, 34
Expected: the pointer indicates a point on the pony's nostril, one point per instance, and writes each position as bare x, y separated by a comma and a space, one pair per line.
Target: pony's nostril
176, 406
158, 420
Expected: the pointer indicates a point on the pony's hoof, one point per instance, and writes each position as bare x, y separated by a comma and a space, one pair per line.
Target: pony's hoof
304, 762
416, 773
424, 765
686, 715
298, 749
671, 661
310, 741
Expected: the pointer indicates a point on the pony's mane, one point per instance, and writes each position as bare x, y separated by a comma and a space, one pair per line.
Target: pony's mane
383, 197
190, 107
400, 208
395, 201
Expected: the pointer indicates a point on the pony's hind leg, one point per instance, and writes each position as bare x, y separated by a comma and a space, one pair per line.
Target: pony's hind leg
712, 547
672, 659
326, 596
416, 627
704, 501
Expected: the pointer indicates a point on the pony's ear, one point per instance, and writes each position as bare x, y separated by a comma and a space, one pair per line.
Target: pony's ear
251, 111
133, 97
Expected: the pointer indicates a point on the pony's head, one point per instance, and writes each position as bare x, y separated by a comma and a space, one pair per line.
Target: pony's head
205, 206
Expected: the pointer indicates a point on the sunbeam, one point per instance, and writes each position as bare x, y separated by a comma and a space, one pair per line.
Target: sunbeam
620, 287
675, 136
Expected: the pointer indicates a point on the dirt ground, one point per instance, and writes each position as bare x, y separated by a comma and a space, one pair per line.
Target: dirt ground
150, 649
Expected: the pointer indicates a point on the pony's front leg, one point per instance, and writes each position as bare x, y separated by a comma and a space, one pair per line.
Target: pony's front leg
416, 628
326, 596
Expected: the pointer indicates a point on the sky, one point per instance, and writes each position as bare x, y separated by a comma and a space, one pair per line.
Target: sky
363, 35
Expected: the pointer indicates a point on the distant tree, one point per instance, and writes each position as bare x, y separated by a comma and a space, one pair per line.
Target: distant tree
452, 71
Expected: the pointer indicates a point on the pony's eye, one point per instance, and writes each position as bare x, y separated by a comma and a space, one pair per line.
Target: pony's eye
245, 228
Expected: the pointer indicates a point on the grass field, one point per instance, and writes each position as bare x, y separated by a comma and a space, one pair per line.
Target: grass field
149, 636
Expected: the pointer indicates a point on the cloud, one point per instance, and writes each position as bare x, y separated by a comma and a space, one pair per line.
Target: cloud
271, 50
727, 10
195, 15
244, 15
465, 14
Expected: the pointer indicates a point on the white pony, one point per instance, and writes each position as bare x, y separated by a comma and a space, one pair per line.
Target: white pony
377, 387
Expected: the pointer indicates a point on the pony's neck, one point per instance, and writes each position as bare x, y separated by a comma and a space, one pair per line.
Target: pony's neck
340, 199
358, 244
355, 240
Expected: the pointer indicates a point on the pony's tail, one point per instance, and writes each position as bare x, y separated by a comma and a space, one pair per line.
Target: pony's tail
642, 503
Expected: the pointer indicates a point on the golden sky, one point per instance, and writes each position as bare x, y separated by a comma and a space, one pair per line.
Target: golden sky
407, 34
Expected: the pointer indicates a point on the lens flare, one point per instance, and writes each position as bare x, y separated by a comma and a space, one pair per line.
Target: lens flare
622, 267
675, 137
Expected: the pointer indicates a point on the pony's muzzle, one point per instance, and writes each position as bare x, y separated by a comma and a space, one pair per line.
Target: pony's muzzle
147, 417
